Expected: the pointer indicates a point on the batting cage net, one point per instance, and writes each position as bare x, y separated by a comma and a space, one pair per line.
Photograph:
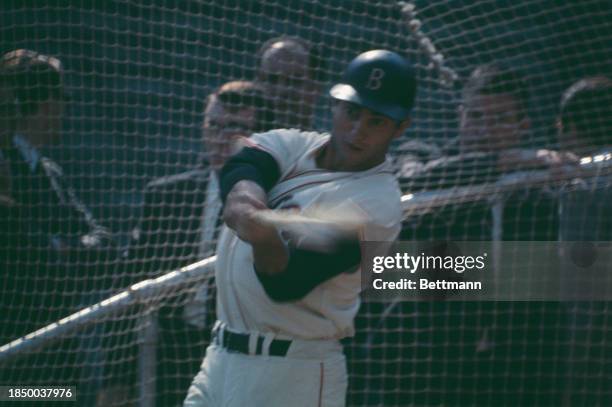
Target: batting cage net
116, 115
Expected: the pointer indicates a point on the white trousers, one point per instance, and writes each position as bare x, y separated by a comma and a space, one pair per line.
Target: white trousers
228, 379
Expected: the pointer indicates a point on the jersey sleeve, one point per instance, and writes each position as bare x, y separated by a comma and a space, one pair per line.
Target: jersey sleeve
285, 145
250, 164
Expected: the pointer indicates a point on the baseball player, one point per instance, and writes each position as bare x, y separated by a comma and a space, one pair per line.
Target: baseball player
283, 307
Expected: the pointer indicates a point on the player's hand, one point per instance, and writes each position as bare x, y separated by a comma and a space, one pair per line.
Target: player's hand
243, 205
240, 214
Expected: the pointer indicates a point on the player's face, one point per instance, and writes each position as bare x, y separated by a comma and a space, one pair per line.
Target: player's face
490, 123
360, 137
222, 129
285, 75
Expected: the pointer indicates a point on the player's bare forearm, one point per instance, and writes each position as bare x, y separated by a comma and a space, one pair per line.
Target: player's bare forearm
243, 202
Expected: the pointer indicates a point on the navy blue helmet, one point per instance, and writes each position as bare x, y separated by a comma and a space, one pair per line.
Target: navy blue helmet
381, 81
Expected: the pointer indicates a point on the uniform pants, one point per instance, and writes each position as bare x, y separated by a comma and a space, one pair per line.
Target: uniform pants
229, 379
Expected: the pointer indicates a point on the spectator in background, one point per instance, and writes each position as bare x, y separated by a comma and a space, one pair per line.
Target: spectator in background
494, 128
585, 128
493, 111
585, 121
49, 224
55, 248
291, 71
180, 219
181, 211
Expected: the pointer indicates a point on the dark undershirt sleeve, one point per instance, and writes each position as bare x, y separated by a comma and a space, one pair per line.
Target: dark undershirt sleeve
250, 164
307, 269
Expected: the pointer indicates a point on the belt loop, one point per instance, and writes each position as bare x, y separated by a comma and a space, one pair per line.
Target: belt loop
253, 343
215, 332
268, 338
221, 334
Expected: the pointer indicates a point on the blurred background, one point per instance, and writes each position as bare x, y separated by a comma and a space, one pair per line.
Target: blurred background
138, 71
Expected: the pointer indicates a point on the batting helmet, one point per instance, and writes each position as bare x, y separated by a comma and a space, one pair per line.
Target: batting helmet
381, 81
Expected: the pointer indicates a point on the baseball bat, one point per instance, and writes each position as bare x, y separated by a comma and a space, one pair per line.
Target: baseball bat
320, 230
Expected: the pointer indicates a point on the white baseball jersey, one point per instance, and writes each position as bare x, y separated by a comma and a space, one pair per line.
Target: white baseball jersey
327, 312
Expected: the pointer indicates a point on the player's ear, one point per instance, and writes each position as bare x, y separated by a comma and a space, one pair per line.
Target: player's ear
401, 128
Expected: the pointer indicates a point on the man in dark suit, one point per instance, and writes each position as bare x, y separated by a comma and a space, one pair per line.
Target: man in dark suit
52, 246
181, 212
50, 229
180, 219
